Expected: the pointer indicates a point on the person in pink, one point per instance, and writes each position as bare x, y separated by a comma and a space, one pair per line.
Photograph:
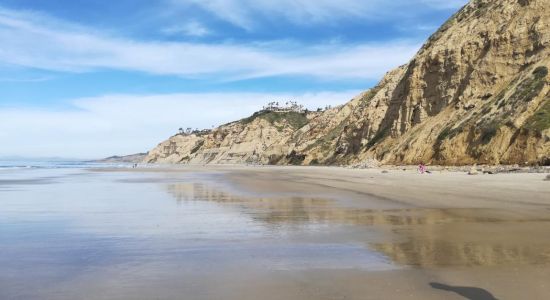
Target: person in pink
421, 168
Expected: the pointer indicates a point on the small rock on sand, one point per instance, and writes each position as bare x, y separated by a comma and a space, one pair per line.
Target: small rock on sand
547, 177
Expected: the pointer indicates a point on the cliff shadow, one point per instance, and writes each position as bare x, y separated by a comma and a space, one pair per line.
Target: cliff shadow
471, 293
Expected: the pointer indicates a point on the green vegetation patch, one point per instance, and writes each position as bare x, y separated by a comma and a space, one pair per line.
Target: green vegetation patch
530, 87
540, 120
540, 72
500, 98
295, 119
444, 134
450, 133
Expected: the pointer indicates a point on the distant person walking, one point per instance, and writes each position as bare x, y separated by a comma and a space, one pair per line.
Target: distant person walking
422, 168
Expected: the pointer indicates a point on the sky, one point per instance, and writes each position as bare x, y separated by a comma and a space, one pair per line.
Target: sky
94, 78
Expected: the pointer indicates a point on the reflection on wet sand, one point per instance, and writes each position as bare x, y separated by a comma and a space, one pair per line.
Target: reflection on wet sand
15, 182
415, 237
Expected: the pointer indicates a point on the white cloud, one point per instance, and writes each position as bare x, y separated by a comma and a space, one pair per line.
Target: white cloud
124, 124
33, 41
191, 28
246, 13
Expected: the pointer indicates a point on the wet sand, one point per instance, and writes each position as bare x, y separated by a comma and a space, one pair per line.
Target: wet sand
226, 232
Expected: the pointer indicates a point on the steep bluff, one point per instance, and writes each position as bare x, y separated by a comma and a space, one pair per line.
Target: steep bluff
261, 138
477, 92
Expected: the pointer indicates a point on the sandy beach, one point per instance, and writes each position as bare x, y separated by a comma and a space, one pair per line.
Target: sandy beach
440, 189
236, 232
275, 150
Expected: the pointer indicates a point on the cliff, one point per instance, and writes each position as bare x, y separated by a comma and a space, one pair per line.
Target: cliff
261, 138
477, 92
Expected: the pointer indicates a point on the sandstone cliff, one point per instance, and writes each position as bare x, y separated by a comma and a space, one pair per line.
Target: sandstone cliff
260, 138
477, 92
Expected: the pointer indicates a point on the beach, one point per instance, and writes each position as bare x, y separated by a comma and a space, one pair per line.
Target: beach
258, 232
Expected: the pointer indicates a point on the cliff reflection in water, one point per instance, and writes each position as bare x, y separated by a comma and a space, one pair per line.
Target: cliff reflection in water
415, 237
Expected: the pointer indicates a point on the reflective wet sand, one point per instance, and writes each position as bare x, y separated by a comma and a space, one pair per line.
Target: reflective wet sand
272, 233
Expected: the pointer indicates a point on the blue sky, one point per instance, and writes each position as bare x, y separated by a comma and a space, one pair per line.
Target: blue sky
90, 78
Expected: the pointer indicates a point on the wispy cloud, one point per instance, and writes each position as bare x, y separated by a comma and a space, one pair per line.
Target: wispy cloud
191, 28
244, 13
247, 13
36, 42
119, 124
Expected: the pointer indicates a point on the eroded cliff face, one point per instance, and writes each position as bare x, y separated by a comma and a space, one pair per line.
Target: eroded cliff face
474, 90
262, 138
477, 92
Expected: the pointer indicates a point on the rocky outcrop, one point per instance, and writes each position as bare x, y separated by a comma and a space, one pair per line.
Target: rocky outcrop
477, 92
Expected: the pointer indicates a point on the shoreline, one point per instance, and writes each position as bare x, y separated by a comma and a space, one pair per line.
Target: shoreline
483, 169
381, 187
